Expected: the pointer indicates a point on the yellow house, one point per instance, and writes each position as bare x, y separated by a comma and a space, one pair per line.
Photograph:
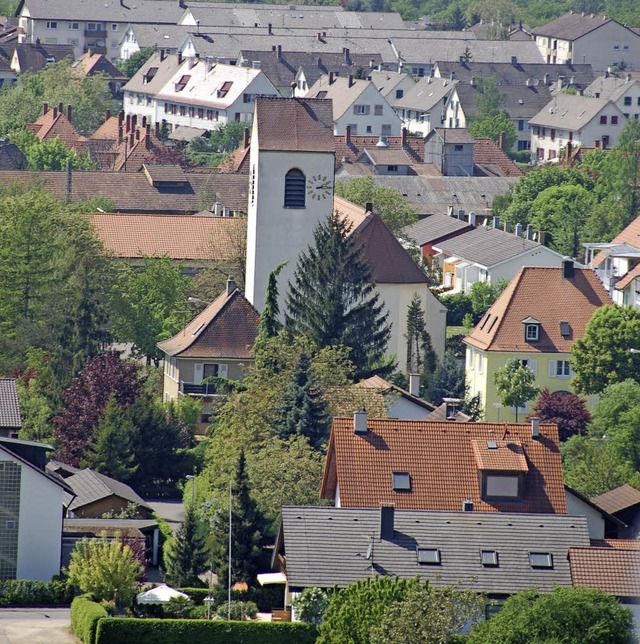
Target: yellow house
535, 320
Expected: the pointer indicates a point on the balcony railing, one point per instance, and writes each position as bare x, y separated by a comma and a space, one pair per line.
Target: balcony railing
189, 389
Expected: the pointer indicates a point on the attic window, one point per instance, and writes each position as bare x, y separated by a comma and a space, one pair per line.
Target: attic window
492, 445
401, 481
493, 322
148, 77
541, 559
489, 558
182, 83
224, 89
532, 332
428, 556
484, 320
198, 329
565, 329
499, 486
321, 94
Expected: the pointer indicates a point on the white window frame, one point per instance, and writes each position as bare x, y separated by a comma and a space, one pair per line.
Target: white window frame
52, 24
73, 26
534, 337
360, 109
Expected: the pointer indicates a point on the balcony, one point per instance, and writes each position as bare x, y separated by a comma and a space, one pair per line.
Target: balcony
97, 34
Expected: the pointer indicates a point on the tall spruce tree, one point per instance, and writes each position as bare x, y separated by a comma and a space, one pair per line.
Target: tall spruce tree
247, 524
333, 300
186, 559
421, 358
110, 453
270, 324
302, 410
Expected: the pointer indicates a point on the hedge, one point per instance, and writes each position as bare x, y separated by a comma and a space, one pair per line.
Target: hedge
27, 592
85, 615
266, 598
117, 630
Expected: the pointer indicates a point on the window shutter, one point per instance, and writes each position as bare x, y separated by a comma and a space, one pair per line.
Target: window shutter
223, 370
197, 373
552, 368
533, 365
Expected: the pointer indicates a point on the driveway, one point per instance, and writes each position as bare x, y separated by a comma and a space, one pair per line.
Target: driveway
36, 626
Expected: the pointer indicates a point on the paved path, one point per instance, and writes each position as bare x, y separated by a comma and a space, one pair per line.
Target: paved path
36, 626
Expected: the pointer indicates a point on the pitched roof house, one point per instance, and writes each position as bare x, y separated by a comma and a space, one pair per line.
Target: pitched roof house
622, 89
10, 417
535, 320
623, 503
55, 123
444, 466
492, 553
216, 343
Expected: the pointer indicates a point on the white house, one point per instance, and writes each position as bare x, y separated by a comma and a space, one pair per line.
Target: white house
622, 90
577, 121
357, 104
31, 501
194, 93
586, 38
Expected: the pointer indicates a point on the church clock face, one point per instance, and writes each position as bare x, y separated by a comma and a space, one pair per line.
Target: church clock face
319, 187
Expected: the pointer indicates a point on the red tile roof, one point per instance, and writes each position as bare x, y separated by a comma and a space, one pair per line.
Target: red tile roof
414, 147
620, 498
506, 456
227, 328
620, 544
487, 153
628, 278
541, 293
54, 123
439, 457
294, 124
630, 235
614, 570
180, 237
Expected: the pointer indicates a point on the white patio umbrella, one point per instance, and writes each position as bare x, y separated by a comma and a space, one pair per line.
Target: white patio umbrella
162, 594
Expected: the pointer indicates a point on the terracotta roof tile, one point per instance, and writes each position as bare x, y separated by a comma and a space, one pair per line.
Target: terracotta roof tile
620, 498
628, 278
439, 457
351, 151
294, 124
499, 456
227, 328
614, 570
544, 294
486, 152
56, 124
180, 237
620, 544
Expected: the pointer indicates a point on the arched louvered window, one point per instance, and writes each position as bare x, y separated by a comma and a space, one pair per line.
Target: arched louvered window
294, 189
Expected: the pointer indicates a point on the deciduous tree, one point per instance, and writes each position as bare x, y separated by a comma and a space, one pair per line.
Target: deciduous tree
565, 409
132, 64
333, 300
514, 384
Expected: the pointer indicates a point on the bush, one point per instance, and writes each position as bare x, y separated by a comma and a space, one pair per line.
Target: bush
26, 592
85, 615
311, 604
266, 598
169, 631
239, 610
458, 305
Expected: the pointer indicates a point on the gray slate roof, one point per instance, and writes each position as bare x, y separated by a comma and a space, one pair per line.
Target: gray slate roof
425, 94
9, 405
571, 26
486, 246
569, 112
434, 194
327, 546
90, 486
610, 87
153, 11
435, 227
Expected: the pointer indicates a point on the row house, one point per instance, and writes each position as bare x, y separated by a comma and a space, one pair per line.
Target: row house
622, 90
195, 93
572, 120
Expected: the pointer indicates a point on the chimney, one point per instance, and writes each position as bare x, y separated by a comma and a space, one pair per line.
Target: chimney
134, 121
45, 108
231, 285
368, 207
387, 511
518, 230
245, 138
319, 36
472, 218
60, 108
360, 423
345, 51
128, 123
89, 52
501, 140
529, 232
144, 121
120, 118
191, 61
55, 112
535, 427
546, 79
107, 115
120, 133
467, 506
157, 129
542, 237
451, 75
461, 215
568, 269
147, 138
269, 29
514, 61
347, 135
332, 77
279, 50
451, 407
507, 227
163, 54
179, 58
404, 137
350, 80
414, 384
137, 131
461, 59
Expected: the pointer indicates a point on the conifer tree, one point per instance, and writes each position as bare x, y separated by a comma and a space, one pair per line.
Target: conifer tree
186, 559
302, 410
247, 524
333, 300
270, 324
421, 358
110, 453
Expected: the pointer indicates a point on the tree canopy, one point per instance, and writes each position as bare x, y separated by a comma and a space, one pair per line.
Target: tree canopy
514, 384
333, 300
565, 409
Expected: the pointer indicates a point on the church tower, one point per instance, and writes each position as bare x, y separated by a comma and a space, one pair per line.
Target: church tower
292, 161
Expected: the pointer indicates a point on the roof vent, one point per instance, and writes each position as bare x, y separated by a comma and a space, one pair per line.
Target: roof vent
467, 506
360, 423
382, 142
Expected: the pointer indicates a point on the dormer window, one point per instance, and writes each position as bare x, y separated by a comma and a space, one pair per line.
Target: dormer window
531, 329
502, 468
541, 560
